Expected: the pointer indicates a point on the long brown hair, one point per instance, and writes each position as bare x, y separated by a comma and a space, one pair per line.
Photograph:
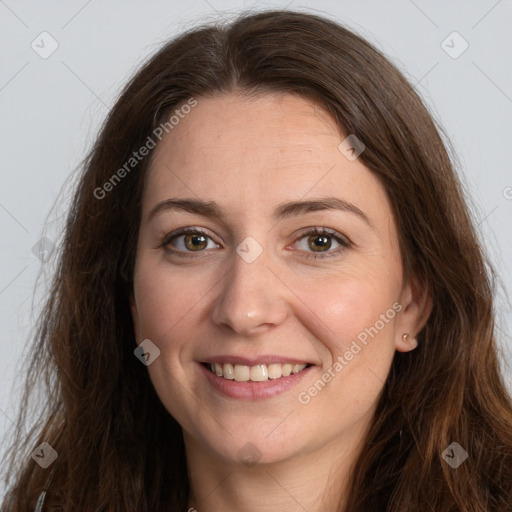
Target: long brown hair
118, 448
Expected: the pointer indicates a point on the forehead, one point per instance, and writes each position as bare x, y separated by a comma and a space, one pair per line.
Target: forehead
251, 153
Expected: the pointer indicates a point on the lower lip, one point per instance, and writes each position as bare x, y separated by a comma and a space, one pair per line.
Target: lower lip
250, 390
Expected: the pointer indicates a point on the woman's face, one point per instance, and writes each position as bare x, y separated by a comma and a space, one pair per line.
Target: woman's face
264, 247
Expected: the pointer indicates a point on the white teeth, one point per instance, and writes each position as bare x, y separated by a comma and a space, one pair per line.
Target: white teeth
287, 369
274, 371
258, 373
228, 371
296, 368
242, 373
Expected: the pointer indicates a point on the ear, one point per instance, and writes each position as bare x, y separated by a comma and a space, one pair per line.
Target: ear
417, 304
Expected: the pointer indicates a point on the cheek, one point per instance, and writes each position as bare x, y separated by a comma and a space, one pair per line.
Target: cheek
169, 306
166, 300
354, 323
351, 306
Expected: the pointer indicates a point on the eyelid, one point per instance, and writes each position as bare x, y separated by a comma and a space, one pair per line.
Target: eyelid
324, 231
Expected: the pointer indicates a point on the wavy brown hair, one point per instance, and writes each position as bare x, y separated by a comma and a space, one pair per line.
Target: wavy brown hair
119, 449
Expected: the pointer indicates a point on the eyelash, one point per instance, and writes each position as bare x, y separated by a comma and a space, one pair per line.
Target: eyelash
167, 239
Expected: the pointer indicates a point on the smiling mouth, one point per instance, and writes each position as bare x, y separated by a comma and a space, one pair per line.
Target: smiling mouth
257, 373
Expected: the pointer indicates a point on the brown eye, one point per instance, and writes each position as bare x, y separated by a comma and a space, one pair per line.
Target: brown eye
195, 241
188, 241
322, 243
319, 243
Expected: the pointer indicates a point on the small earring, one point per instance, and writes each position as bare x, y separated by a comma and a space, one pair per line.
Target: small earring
405, 338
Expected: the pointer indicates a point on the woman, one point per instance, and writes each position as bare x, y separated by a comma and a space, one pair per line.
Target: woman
270, 294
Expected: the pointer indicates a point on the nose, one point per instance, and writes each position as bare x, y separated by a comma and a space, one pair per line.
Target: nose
251, 299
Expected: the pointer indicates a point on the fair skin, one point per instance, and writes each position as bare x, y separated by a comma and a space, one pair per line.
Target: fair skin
249, 156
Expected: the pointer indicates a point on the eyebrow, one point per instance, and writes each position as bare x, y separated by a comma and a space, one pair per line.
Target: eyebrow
291, 209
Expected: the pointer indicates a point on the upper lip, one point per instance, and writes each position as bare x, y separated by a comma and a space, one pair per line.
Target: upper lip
254, 361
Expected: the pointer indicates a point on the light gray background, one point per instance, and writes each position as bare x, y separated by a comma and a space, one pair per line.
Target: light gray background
50, 111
